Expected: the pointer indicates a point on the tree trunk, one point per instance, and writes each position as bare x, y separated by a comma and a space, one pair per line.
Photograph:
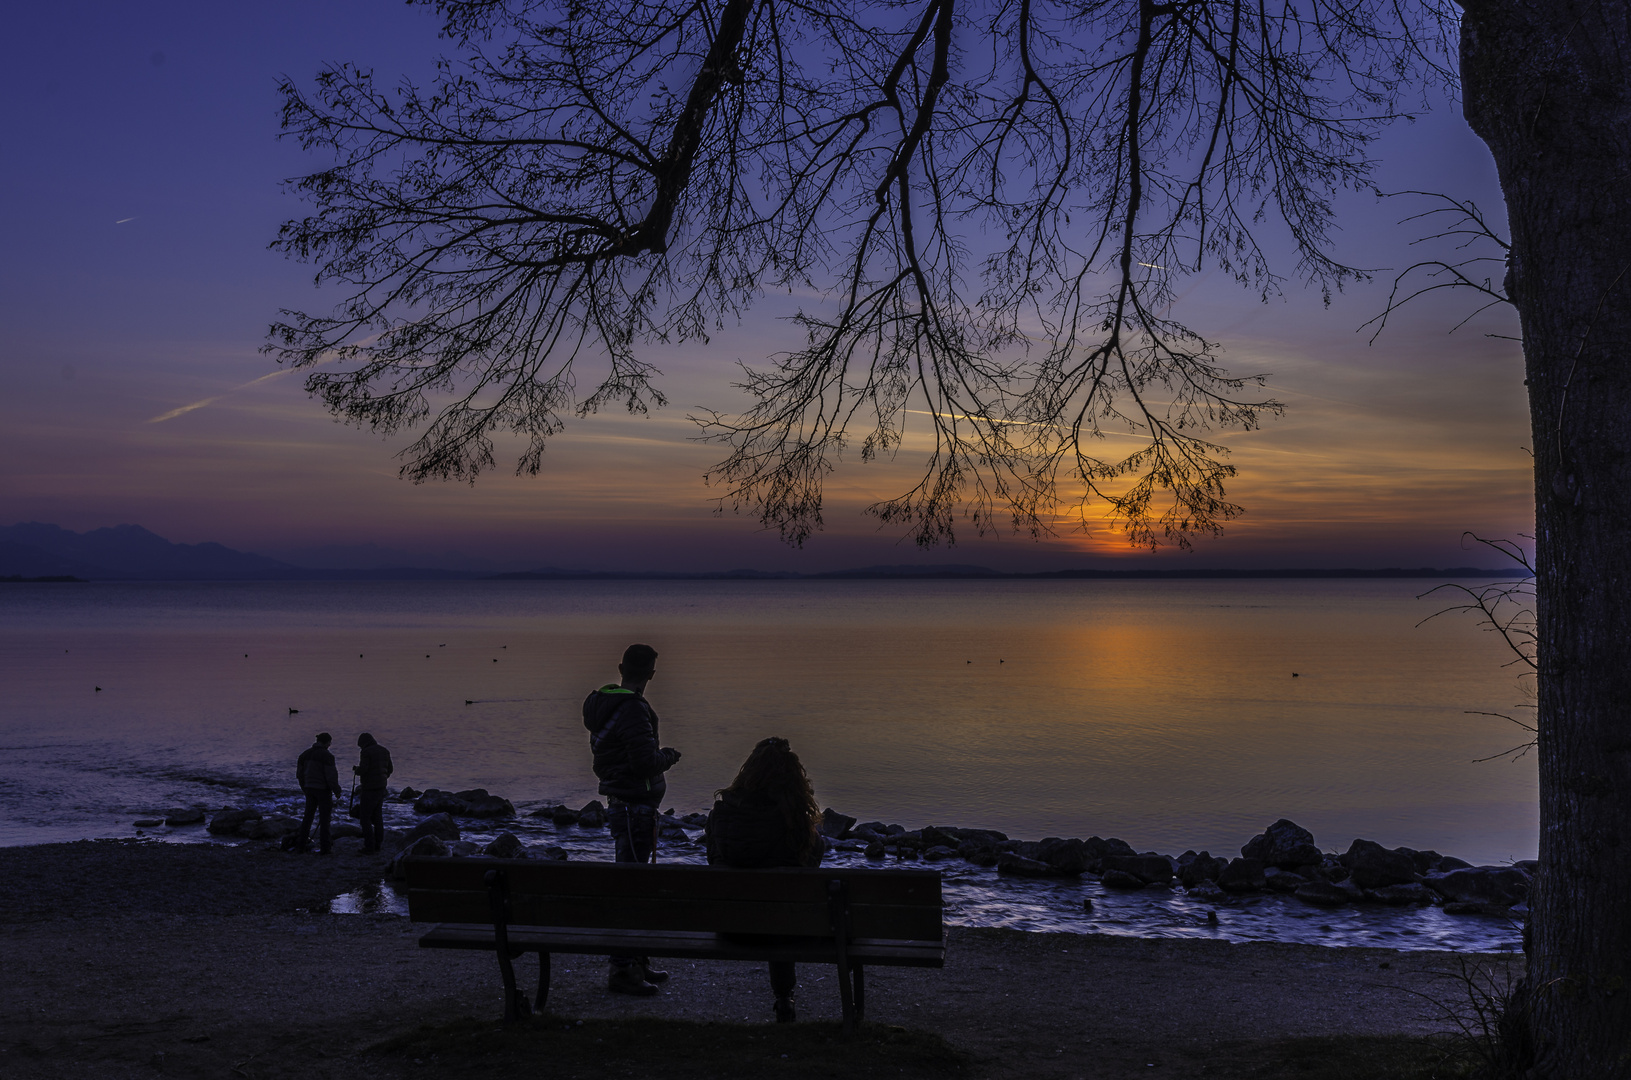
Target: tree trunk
1547, 85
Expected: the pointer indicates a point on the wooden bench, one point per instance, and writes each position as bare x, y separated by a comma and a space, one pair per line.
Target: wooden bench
854, 919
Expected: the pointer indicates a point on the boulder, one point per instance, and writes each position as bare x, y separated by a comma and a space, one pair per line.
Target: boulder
552, 852
1203, 867
1331, 868
184, 817
1446, 863
1402, 895
1148, 869
1284, 844
1491, 886
475, 802
441, 826
422, 845
1242, 875
228, 820
1067, 857
407, 794
464, 848
1282, 881
505, 846
1207, 891
148, 822
593, 815
834, 824
564, 815
985, 856
1019, 866
275, 827
938, 852
1372, 866
875, 851
1121, 879
1322, 894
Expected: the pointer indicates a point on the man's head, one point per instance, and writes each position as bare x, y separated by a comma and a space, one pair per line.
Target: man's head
324, 738
639, 663
365, 739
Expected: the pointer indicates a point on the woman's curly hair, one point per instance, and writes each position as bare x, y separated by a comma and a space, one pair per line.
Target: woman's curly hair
775, 773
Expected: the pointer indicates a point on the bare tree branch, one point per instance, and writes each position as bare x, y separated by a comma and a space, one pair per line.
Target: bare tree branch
991, 199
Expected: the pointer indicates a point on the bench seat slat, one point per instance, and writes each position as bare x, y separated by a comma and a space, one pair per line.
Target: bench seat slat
673, 913
687, 945
679, 881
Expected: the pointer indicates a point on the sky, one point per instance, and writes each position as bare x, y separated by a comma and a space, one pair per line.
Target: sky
140, 185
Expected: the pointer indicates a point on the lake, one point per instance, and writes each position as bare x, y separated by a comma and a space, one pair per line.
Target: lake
1172, 714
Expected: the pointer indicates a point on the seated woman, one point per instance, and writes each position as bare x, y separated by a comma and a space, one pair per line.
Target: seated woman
768, 817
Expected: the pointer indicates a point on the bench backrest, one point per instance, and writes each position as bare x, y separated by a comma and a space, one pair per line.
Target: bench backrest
898, 904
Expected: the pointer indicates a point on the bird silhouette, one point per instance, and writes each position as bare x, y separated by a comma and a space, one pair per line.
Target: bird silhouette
293, 711
98, 689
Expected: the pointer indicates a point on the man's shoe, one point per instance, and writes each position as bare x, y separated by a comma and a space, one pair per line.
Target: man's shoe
653, 975
628, 981
785, 1013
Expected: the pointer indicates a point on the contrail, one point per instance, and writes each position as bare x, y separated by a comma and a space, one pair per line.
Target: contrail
173, 413
122, 220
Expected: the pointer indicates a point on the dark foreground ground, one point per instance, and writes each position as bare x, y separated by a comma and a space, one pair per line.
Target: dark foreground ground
122, 959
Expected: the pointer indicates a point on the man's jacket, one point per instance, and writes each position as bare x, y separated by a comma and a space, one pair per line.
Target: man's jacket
374, 767
629, 760
316, 771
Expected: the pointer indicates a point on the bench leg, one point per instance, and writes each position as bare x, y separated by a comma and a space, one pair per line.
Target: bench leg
846, 998
860, 993
543, 981
515, 1002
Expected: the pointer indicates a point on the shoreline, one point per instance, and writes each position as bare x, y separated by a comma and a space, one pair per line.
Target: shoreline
1280, 889
211, 955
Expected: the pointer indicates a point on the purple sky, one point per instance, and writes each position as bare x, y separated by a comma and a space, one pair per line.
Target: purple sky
140, 187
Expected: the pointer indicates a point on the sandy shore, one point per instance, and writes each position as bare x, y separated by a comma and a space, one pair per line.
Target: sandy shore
129, 959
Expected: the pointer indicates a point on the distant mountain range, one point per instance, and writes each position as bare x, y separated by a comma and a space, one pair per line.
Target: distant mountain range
131, 553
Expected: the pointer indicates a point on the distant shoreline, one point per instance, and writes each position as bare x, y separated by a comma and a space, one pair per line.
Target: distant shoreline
408, 573
980, 573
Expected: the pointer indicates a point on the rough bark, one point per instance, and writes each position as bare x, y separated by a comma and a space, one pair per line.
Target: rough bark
1547, 85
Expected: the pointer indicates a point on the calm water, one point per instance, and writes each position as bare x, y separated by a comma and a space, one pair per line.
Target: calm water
1165, 713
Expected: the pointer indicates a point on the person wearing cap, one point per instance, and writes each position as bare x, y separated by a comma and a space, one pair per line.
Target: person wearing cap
372, 770
629, 761
320, 783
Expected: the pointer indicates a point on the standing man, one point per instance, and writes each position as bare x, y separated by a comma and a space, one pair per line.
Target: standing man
630, 762
373, 769
320, 782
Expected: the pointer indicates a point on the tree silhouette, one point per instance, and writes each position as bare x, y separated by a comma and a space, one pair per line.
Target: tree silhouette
992, 204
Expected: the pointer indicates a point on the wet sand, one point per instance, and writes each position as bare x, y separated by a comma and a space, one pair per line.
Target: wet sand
124, 959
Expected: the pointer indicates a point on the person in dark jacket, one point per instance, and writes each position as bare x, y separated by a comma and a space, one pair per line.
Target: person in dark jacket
372, 770
629, 761
320, 782
768, 817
